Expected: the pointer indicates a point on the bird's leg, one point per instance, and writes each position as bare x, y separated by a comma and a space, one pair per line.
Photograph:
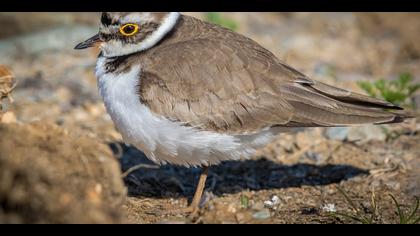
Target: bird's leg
195, 204
193, 208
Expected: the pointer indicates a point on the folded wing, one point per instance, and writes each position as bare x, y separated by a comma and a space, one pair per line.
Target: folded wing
239, 87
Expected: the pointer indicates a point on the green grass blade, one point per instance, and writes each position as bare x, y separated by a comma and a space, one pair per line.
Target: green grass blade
359, 215
348, 199
413, 213
244, 201
400, 212
351, 217
374, 207
367, 87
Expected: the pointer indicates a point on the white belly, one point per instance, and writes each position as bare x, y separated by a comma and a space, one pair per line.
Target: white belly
164, 141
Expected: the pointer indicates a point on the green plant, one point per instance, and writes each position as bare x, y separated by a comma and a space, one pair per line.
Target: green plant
395, 91
217, 18
360, 216
412, 217
244, 201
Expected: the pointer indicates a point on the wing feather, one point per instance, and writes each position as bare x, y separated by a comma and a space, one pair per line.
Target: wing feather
240, 87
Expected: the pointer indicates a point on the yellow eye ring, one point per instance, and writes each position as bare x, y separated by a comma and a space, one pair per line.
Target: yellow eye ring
129, 29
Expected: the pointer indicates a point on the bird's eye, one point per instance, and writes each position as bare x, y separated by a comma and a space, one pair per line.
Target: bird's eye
129, 29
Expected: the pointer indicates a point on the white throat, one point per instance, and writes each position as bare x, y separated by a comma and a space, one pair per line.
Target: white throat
116, 48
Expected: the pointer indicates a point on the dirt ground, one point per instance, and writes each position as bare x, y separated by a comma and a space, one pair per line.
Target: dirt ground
61, 159
47, 177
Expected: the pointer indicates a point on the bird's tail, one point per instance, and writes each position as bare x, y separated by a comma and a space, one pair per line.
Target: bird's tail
319, 104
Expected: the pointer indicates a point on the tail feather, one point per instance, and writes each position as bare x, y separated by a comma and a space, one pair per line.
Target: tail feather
319, 104
351, 97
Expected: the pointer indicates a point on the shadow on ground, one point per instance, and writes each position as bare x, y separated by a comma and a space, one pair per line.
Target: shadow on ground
228, 177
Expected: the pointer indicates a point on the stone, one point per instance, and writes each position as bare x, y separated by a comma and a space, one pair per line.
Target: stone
273, 202
366, 133
314, 157
7, 117
329, 207
262, 215
337, 133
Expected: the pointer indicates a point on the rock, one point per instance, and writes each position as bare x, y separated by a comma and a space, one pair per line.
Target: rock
49, 176
314, 157
286, 143
337, 133
366, 133
231, 208
273, 202
394, 185
329, 207
262, 215
308, 138
362, 133
7, 117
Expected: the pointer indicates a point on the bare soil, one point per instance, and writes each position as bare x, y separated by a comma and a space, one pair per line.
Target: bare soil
48, 176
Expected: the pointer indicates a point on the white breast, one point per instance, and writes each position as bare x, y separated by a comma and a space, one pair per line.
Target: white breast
164, 141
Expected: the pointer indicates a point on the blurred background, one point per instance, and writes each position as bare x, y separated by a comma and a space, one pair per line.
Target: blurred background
61, 158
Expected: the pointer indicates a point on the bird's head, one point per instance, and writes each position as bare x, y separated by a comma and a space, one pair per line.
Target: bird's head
123, 33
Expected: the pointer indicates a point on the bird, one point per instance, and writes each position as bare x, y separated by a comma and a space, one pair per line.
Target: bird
191, 93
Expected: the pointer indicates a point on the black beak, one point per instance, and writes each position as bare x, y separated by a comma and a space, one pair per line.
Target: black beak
89, 43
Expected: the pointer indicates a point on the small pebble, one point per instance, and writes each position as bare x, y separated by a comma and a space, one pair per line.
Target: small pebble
231, 208
7, 118
318, 158
337, 133
329, 207
262, 215
393, 184
275, 200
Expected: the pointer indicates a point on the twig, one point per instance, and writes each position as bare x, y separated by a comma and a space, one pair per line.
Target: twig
136, 167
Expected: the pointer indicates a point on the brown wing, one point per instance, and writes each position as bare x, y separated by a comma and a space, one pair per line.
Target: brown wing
239, 87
